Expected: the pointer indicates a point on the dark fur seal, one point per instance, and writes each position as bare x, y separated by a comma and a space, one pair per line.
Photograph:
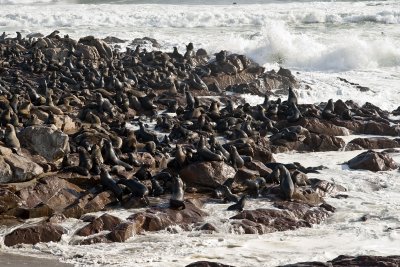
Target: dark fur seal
286, 183
136, 187
109, 184
236, 159
239, 206
10, 137
176, 200
112, 158
328, 112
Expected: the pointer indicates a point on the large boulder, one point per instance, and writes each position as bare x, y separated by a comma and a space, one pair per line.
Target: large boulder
102, 47
287, 216
46, 141
104, 222
22, 169
373, 161
52, 191
156, 219
42, 232
209, 174
372, 143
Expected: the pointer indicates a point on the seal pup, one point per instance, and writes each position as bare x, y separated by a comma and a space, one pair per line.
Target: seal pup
109, 184
176, 200
239, 206
286, 182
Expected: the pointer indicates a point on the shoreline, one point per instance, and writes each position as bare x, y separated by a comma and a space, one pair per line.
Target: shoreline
14, 260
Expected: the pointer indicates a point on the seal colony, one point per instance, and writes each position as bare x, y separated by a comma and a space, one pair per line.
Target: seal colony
87, 128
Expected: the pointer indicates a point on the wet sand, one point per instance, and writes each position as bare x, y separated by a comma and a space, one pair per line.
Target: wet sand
13, 260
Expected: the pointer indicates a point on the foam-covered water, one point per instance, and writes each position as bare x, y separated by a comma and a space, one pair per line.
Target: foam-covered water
320, 41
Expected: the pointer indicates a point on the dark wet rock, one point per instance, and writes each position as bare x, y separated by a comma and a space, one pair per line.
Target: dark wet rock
287, 216
372, 143
368, 127
42, 232
208, 227
50, 143
373, 161
123, 231
145, 41
104, 222
319, 126
113, 40
156, 219
206, 174
353, 261
207, 264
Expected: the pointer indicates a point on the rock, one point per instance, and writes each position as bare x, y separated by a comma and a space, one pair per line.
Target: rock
22, 169
207, 264
258, 166
318, 126
145, 41
122, 232
88, 52
350, 261
373, 161
245, 174
373, 143
48, 142
10, 221
104, 222
6, 174
324, 188
102, 47
156, 219
207, 174
42, 232
368, 127
8, 200
52, 191
288, 216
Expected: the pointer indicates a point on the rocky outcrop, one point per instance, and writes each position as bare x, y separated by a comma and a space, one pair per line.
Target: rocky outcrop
288, 216
16, 168
104, 222
373, 161
206, 174
48, 142
41, 232
372, 143
156, 219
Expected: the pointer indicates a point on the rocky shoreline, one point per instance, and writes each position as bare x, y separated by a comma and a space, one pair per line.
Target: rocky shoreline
88, 128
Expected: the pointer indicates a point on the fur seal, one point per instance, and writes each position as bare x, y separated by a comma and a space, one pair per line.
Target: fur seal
156, 188
10, 137
109, 184
294, 113
292, 98
136, 187
176, 200
239, 206
112, 158
286, 182
236, 160
328, 112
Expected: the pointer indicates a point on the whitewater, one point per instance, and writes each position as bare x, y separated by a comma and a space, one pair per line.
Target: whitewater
320, 41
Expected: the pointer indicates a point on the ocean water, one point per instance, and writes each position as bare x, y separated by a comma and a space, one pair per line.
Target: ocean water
319, 41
